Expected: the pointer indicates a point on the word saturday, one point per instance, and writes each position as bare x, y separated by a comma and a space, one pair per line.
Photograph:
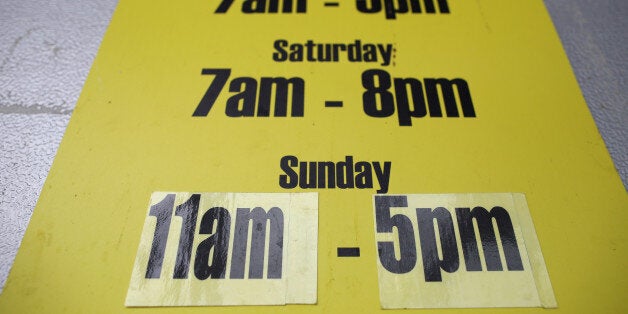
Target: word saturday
328, 174
311, 51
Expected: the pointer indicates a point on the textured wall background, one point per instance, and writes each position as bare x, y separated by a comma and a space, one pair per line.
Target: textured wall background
47, 48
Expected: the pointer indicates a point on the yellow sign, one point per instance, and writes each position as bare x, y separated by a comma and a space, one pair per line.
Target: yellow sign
459, 250
227, 249
345, 99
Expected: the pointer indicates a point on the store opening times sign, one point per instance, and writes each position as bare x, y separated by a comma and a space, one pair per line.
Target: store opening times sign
433, 251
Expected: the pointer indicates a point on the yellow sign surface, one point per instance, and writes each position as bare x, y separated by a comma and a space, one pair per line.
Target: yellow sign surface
345, 99
227, 249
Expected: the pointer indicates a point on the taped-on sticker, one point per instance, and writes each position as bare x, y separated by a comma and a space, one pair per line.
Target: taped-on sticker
227, 249
459, 250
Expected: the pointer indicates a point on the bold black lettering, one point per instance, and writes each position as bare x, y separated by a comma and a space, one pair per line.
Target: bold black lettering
290, 179
224, 6
309, 47
451, 105
301, 6
369, 98
369, 6
307, 181
219, 241
390, 9
364, 175
354, 51
330, 173
296, 53
324, 52
273, 6
337, 49
162, 211
281, 86
281, 54
254, 6
415, 6
344, 173
188, 212
247, 86
484, 220
258, 218
386, 52
383, 175
370, 53
403, 106
208, 100
384, 223
432, 263
443, 6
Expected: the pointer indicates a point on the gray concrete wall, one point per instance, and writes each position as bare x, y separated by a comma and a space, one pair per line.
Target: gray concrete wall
47, 48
